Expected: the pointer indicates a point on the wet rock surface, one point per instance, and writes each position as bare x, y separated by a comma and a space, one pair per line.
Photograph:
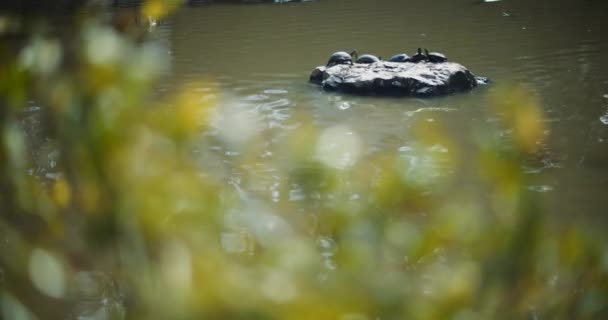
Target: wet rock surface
423, 79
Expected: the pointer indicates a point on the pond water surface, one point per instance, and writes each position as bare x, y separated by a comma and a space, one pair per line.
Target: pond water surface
260, 56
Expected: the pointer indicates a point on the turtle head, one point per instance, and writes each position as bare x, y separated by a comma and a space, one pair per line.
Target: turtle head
419, 51
354, 54
426, 52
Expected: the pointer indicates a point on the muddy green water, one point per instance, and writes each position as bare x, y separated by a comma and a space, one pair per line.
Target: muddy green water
261, 56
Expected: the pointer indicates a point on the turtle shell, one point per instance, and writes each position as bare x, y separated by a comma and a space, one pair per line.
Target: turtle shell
402, 57
367, 58
339, 57
436, 57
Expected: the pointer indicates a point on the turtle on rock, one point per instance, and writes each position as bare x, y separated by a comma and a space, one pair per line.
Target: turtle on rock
435, 57
402, 57
340, 57
365, 59
418, 57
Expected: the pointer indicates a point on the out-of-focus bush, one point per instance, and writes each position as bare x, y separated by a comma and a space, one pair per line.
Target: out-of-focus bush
109, 210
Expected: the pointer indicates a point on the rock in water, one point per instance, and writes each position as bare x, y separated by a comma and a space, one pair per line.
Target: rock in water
397, 79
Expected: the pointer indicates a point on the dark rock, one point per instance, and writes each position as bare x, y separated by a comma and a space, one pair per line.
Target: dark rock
400, 79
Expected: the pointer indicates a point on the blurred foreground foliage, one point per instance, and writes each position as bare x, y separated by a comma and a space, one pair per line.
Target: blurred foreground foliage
114, 207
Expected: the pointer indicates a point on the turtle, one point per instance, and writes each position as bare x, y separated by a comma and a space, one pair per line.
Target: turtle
435, 57
419, 56
368, 58
402, 57
340, 57
365, 59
